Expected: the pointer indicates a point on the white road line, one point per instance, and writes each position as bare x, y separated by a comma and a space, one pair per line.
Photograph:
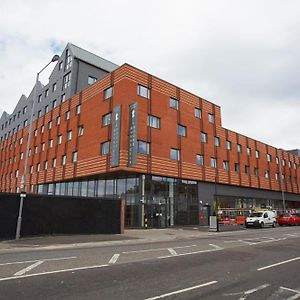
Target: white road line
182, 291
156, 249
23, 271
278, 264
172, 251
217, 248
290, 290
114, 259
263, 286
53, 272
31, 261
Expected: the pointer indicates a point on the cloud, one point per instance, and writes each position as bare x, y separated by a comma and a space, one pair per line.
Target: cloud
242, 55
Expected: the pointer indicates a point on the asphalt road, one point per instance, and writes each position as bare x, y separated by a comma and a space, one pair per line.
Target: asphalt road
252, 264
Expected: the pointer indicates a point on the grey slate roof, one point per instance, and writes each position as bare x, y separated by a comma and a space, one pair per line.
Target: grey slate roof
92, 59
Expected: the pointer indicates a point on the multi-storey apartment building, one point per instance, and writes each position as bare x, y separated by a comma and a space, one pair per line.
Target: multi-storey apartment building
161, 148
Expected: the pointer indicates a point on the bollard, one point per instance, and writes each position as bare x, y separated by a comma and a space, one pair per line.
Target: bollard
145, 222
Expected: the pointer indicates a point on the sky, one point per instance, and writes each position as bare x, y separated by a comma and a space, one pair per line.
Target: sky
243, 55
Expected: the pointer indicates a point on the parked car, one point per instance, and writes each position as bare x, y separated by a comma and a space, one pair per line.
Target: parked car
261, 219
288, 219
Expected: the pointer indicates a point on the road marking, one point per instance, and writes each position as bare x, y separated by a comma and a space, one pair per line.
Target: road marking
31, 261
278, 264
157, 249
114, 259
23, 271
182, 291
172, 251
249, 292
291, 290
53, 272
216, 248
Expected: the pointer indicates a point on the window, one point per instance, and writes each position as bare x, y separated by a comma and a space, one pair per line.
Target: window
283, 162
39, 98
213, 162
21, 141
226, 165
91, 80
198, 113
203, 137
276, 176
54, 86
63, 98
31, 170
60, 65
239, 148
277, 160
256, 172
143, 147
106, 119
17, 173
67, 80
153, 122
269, 157
108, 92
59, 139
21, 155
105, 148
211, 118
54, 103
69, 135
174, 103
257, 154
46, 93
78, 109
143, 91
68, 115
39, 113
266, 174
290, 164
25, 123
51, 143
57, 120
237, 167
49, 124
54, 162
247, 170
248, 151
46, 109
43, 147
68, 59
228, 145
45, 164
217, 141
38, 167
181, 130
35, 149
63, 160
199, 160
74, 156
174, 154
24, 112
42, 129
80, 130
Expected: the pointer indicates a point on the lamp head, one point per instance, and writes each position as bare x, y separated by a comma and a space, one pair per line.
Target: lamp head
55, 58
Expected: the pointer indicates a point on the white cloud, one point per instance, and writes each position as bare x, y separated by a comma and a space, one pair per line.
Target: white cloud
242, 55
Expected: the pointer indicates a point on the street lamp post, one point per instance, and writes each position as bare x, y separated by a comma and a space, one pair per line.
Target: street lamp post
281, 182
23, 178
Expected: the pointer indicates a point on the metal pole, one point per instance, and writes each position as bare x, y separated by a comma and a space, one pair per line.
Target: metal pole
23, 178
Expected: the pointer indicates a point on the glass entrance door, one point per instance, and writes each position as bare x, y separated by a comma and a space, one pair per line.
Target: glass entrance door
157, 212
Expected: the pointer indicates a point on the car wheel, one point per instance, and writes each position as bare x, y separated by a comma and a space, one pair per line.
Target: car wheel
262, 225
280, 224
274, 225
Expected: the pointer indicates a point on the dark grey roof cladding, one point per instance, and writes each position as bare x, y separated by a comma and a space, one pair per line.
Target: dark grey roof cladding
92, 59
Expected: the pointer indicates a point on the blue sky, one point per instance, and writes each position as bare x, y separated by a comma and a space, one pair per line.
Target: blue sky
241, 55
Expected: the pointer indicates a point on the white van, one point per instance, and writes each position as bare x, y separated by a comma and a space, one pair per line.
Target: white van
261, 219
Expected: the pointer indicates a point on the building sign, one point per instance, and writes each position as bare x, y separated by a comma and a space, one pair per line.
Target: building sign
115, 140
132, 143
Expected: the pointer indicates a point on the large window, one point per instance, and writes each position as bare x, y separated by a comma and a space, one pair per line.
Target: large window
211, 118
199, 160
198, 113
67, 80
181, 130
153, 122
143, 91
203, 137
174, 154
217, 141
213, 162
105, 148
108, 92
174, 103
106, 119
143, 147
91, 80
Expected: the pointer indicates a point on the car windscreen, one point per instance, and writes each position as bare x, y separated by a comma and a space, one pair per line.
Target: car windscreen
255, 214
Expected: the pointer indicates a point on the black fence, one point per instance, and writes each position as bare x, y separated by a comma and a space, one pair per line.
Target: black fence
45, 215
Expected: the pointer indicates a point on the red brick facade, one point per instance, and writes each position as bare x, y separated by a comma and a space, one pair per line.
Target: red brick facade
90, 162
